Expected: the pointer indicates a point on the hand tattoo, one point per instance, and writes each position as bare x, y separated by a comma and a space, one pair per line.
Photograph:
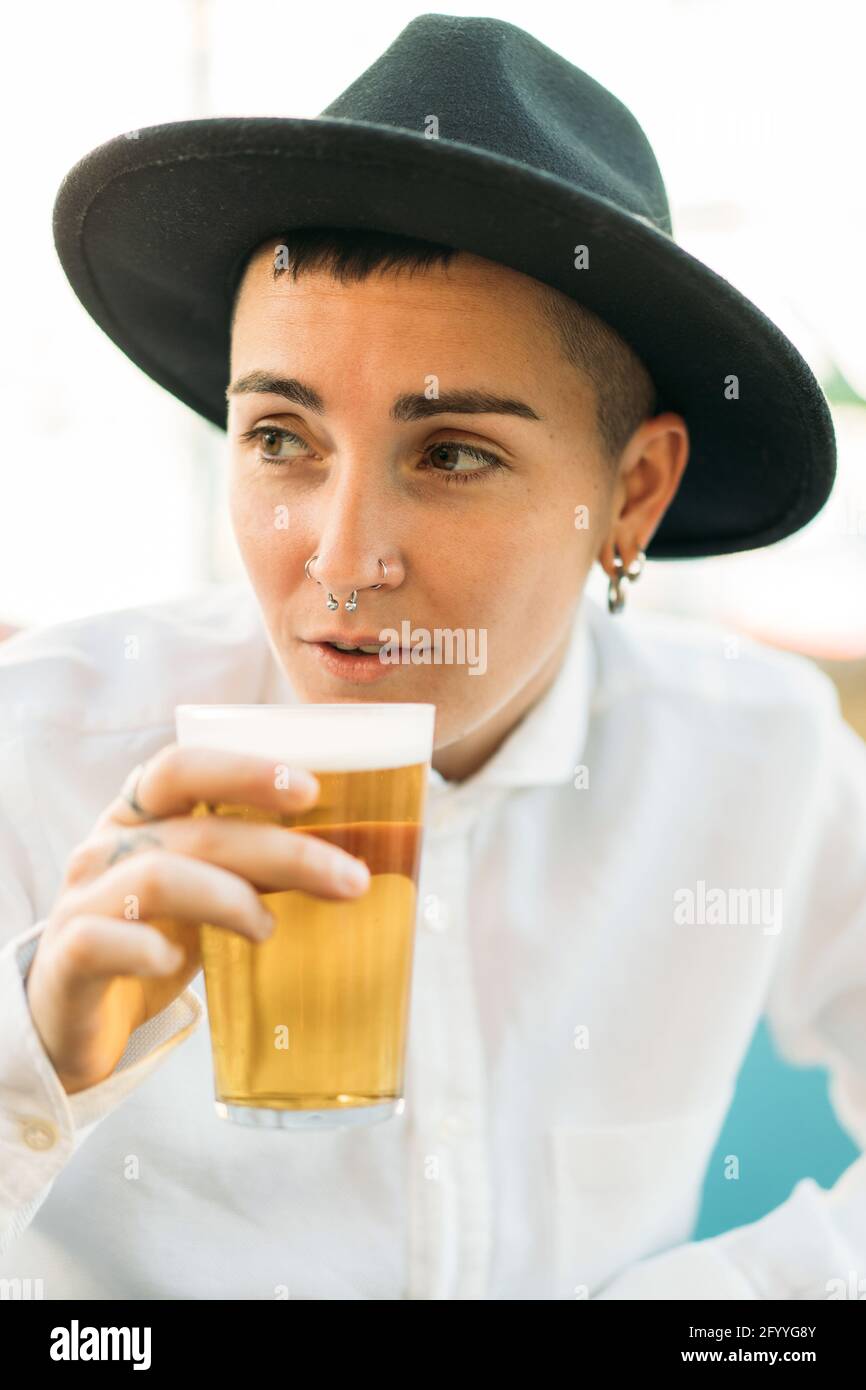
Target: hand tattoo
129, 843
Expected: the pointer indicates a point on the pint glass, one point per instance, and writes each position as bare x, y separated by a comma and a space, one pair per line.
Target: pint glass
308, 1028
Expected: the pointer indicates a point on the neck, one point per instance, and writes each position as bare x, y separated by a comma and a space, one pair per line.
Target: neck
462, 758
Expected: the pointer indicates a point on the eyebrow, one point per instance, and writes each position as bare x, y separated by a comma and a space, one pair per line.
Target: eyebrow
410, 406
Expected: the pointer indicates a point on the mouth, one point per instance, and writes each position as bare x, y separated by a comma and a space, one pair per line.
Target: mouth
371, 648
358, 662
347, 641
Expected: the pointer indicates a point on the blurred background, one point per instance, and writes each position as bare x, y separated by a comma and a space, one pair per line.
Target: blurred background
112, 493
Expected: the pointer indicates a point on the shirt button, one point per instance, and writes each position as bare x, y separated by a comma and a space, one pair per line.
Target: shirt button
38, 1134
434, 912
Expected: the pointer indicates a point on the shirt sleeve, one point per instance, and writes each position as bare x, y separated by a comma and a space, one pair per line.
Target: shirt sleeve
808, 1247
41, 1127
63, 749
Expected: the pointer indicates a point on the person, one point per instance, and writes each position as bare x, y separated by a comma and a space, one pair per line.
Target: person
641, 834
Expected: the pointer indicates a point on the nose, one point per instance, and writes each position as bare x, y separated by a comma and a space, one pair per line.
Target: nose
355, 551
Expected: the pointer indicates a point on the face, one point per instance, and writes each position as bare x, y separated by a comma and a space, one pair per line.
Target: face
472, 510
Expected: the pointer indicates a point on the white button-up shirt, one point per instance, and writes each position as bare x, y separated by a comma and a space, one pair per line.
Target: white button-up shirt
670, 843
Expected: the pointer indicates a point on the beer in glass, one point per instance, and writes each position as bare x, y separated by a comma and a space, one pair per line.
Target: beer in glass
308, 1028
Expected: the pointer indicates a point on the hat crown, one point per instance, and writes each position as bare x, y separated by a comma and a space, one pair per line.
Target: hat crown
529, 160
494, 87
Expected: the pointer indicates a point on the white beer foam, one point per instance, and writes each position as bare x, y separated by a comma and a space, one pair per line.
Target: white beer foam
358, 738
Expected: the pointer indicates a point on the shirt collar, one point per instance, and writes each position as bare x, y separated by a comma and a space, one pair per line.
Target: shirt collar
545, 745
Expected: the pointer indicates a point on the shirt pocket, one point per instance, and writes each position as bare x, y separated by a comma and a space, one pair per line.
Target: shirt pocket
625, 1192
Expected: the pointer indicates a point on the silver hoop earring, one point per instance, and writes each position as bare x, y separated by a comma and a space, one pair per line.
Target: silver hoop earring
615, 592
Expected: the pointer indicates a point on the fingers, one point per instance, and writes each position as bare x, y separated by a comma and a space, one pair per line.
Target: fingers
178, 777
96, 948
157, 883
270, 857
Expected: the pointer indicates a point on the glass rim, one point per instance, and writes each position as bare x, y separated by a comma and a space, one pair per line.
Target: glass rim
372, 707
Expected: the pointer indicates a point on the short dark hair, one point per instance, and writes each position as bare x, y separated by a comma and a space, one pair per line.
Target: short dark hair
625, 392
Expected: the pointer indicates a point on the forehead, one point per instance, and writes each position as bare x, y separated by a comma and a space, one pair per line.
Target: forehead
470, 282
470, 323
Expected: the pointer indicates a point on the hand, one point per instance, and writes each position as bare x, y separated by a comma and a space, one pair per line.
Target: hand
100, 969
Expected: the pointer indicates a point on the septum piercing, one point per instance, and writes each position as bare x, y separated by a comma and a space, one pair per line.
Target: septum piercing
352, 601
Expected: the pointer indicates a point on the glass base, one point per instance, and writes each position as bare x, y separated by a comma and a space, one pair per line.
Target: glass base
261, 1117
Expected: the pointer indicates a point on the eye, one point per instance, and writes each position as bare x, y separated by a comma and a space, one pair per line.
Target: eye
490, 462
272, 438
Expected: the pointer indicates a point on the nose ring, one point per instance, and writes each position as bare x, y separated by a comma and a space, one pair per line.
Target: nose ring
352, 601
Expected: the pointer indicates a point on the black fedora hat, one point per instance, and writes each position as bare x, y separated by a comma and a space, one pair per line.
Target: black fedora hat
531, 159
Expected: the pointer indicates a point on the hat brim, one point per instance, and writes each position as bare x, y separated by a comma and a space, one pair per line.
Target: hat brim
152, 231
